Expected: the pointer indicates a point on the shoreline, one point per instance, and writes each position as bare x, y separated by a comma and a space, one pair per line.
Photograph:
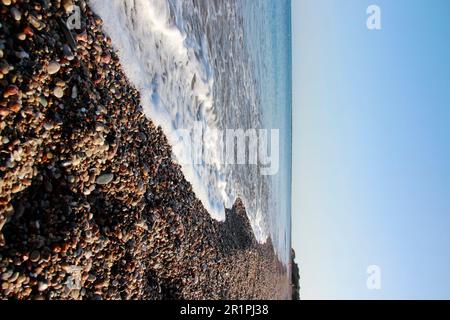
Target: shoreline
88, 184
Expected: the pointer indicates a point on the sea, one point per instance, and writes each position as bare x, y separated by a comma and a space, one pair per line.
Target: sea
217, 65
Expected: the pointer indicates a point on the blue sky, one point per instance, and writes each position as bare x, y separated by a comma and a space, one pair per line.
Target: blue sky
371, 158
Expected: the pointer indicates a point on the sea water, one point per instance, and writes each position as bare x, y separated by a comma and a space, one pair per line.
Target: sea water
223, 64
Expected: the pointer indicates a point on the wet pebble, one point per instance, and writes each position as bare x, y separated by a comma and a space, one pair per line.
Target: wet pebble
104, 179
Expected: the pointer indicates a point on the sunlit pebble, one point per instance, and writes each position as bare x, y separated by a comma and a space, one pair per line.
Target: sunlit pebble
58, 92
43, 101
106, 58
81, 37
21, 36
4, 68
68, 6
14, 106
11, 91
17, 15
42, 286
4, 112
28, 31
53, 67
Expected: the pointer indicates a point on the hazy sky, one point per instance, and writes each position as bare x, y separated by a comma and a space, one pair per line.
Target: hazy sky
372, 148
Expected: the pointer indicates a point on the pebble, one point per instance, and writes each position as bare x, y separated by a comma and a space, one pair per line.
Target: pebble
14, 106
14, 277
48, 126
35, 22
35, 256
53, 67
74, 92
43, 101
68, 53
4, 68
68, 6
21, 36
11, 91
4, 112
22, 54
106, 58
6, 275
105, 179
28, 31
74, 294
17, 15
58, 92
42, 286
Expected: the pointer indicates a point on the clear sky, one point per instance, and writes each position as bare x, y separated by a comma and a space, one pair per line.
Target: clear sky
371, 158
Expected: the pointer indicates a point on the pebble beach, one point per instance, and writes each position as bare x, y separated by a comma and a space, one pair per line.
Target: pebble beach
92, 204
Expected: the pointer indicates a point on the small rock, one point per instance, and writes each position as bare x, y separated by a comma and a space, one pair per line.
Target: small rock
35, 256
4, 68
48, 126
35, 22
43, 101
4, 112
68, 5
106, 58
14, 106
68, 53
28, 31
66, 163
6, 275
21, 36
58, 92
14, 277
22, 54
53, 67
74, 92
105, 179
74, 294
42, 286
17, 15
142, 224
11, 91
82, 37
